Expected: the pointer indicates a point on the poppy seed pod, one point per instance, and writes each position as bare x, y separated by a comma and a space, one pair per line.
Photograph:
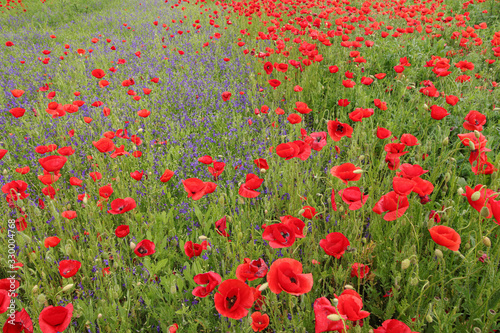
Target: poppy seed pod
405, 264
486, 241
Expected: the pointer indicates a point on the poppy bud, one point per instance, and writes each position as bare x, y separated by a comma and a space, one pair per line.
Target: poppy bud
472, 146
446, 141
334, 317
341, 209
35, 289
413, 281
348, 286
357, 171
139, 284
426, 107
475, 196
428, 318
68, 206
460, 191
67, 287
405, 264
430, 223
173, 288
302, 211
41, 299
202, 238
132, 245
115, 265
67, 249
438, 253
265, 211
23, 209
241, 201
485, 212
335, 302
477, 330
477, 134
496, 109
467, 245
361, 157
263, 286
5, 171
262, 170
447, 177
486, 241
99, 316
85, 200
140, 130
240, 235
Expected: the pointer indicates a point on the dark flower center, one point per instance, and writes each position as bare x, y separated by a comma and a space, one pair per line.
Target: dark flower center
230, 301
292, 279
284, 234
340, 128
142, 250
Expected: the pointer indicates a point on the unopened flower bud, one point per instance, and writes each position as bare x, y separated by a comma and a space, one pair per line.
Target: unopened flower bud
99, 316
140, 130
405, 264
35, 289
357, 171
335, 302
334, 317
68, 206
426, 107
438, 253
262, 170
447, 177
85, 200
460, 191
263, 286
428, 318
445, 141
302, 211
477, 133
361, 157
486, 241
202, 237
472, 146
485, 212
67, 287
132, 245
496, 109
5, 171
475, 196
348, 286
173, 289
41, 299
413, 281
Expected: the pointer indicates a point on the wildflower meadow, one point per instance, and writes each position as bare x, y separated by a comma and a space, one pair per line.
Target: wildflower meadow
250, 166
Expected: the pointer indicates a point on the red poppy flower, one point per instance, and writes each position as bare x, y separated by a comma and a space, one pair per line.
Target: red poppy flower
69, 214
233, 299
287, 150
403, 186
259, 321
251, 270
479, 143
226, 95
274, 83
144, 248
333, 69
438, 112
348, 83
396, 205
483, 199
395, 150
411, 171
68, 268
137, 175
166, 176
474, 121
345, 172
17, 112
422, 187
193, 249
247, 189
196, 188
393, 326
205, 159
122, 231
17, 93
3, 152
221, 227
380, 104
15, 190
335, 244
366, 81
359, 270
344, 102
120, 206
23, 170
353, 197
279, 235
98, 73
452, 100
309, 212
261, 163
20, 323
95, 176
217, 169
337, 130
55, 319
53, 163
104, 145
409, 140
211, 279
350, 305
294, 118
446, 237
286, 275
302, 107
383, 133
143, 113
322, 309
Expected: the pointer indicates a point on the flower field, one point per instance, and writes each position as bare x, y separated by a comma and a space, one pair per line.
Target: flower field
240, 166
